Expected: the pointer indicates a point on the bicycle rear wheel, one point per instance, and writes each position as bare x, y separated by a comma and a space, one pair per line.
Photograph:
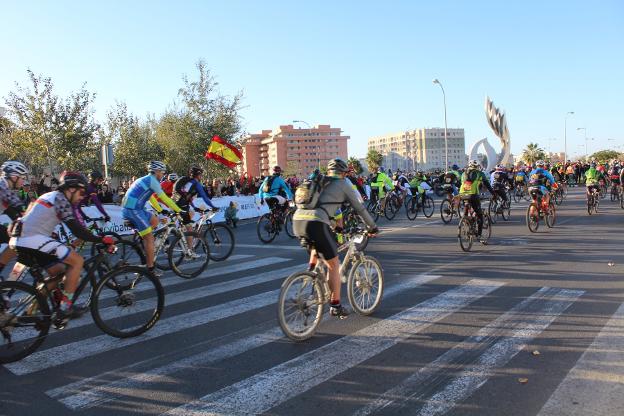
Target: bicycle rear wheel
288, 224
446, 211
506, 210
486, 231
300, 305
428, 206
365, 285
24, 320
266, 229
391, 209
464, 234
127, 302
551, 216
532, 217
188, 264
493, 210
411, 207
220, 239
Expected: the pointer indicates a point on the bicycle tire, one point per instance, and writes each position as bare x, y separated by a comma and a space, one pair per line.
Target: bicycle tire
428, 206
288, 224
218, 241
390, 209
199, 246
506, 210
126, 297
590, 204
161, 260
446, 211
29, 300
464, 234
493, 208
486, 230
551, 216
532, 220
517, 196
411, 208
359, 280
301, 305
264, 224
373, 210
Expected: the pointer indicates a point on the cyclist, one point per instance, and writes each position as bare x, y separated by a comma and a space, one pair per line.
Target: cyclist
12, 177
133, 206
275, 190
453, 177
416, 185
313, 226
471, 182
401, 186
30, 235
592, 178
95, 181
543, 180
380, 183
498, 180
167, 185
521, 178
614, 175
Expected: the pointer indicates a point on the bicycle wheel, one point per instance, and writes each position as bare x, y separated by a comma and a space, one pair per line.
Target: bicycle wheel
517, 196
188, 264
486, 231
493, 210
365, 285
391, 209
373, 209
506, 210
532, 217
220, 239
300, 305
614, 194
464, 234
288, 224
446, 211
622, 200
161, 259
24, 320
127, 302
411, 208
551, 216
266, 229
590, 204
428, 206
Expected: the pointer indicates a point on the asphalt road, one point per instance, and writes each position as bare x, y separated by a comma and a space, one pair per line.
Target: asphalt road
531, 324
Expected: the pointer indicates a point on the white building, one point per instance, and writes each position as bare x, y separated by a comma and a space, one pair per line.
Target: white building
420, 149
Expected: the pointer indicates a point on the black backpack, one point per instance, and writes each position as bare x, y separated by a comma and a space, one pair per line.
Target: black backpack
178, 187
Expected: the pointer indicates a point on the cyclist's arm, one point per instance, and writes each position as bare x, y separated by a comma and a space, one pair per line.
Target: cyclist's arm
261, 193
282, 184
156, 188
357, 205
65, 213
92, 196
202, 193
487, 184
15, 206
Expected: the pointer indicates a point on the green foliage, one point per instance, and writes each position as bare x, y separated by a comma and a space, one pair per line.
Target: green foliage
374, 159
292, 169
605, 155
532, 153
357, 166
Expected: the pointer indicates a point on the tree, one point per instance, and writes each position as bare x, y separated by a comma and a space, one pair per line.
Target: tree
292, 169
374, 159
605, 155
532, 153
357, 166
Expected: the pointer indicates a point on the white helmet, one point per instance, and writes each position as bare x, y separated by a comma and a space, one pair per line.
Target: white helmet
13, 167
155, 165
540, 163
173, 177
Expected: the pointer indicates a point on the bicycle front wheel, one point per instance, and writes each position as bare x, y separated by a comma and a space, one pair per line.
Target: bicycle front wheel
127, 302
411, 207
391, 209
220, 239
551, 216
486, 231
446, 211
24, 320
265, 229
464, 234
428, 206
506, 210
300, 306
288, 224
188, 259
365, 285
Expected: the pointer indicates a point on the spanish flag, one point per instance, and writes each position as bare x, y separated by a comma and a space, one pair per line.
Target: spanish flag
221, 151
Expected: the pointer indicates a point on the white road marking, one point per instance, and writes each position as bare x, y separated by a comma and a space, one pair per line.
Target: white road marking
272, 387
496, 344
596, 383
271, 246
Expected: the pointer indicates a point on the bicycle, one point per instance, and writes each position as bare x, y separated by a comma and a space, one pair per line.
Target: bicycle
377, 206
615, 191
450, 205
27, 311
413, 204
537, 210
497, 207
468, 229
593, 200
394, 202
219, 237
269, 225
520, 192
603, 189
354, 227
171, 239
303, 295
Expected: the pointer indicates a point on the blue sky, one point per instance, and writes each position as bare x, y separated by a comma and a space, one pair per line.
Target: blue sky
364, 66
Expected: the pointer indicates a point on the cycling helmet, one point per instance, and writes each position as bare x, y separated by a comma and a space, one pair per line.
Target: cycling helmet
72, 180
195, 170
592, 165
13, 167
419, 172
474, 165
410, 175
455, 167
277, 170
155, 165
540, 163
381, 169
173, 177
338, 166
94, 176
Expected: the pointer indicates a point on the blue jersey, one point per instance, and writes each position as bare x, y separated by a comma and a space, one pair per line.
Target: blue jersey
192, 188
277, 185
140, 192
541, 171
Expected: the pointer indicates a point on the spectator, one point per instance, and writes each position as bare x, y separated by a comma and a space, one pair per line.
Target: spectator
231, 214
216, 188
106, 196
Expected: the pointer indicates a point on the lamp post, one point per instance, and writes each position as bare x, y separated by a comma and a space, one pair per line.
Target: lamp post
318, 148
565, 136
436, 81
585, 133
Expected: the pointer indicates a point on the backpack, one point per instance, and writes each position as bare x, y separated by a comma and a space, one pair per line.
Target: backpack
180, 184
266, 188
537, 179
308, 193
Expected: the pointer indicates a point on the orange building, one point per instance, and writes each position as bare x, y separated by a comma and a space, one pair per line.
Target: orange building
298, 151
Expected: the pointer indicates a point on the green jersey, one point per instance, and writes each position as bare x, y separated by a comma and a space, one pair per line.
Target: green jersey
471, 181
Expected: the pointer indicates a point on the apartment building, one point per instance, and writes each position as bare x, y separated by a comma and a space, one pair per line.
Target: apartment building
296, 150
420, 148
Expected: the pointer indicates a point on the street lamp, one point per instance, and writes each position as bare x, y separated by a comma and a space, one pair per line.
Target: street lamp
565, 136
585, 133
435, 81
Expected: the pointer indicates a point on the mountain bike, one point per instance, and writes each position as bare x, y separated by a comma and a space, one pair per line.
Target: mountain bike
520, 192
354, 227
414, 203
603, 189
538, 210
593, 200
270, 225
497, 207
468, 229
27, 311
304, 294
450, 205
219, 236
615, 191
377, 206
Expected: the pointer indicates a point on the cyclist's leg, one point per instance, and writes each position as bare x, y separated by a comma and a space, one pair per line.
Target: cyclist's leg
476, 206
144, 222
7, 254
326, 246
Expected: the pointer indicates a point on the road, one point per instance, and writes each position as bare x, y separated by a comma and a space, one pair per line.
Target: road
531, 324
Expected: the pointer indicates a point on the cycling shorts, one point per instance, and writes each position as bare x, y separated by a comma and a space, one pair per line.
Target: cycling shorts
49, 250
140, 218
319, 234
4, 234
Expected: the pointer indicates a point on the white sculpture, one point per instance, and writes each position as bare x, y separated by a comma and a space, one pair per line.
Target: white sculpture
498, 123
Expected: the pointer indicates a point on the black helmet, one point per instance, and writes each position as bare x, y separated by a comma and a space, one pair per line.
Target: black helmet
72, 180
94, 176
338, 166
195, 170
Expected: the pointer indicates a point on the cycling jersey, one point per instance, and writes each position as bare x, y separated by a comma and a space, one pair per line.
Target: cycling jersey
471, 182
593, 176
542, 179
92, 196
10, 202
498, 179
143, 190
278, 186
190, 190
381, 182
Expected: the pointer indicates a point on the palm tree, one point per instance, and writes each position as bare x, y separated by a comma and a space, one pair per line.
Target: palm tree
532, 153
357, 166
